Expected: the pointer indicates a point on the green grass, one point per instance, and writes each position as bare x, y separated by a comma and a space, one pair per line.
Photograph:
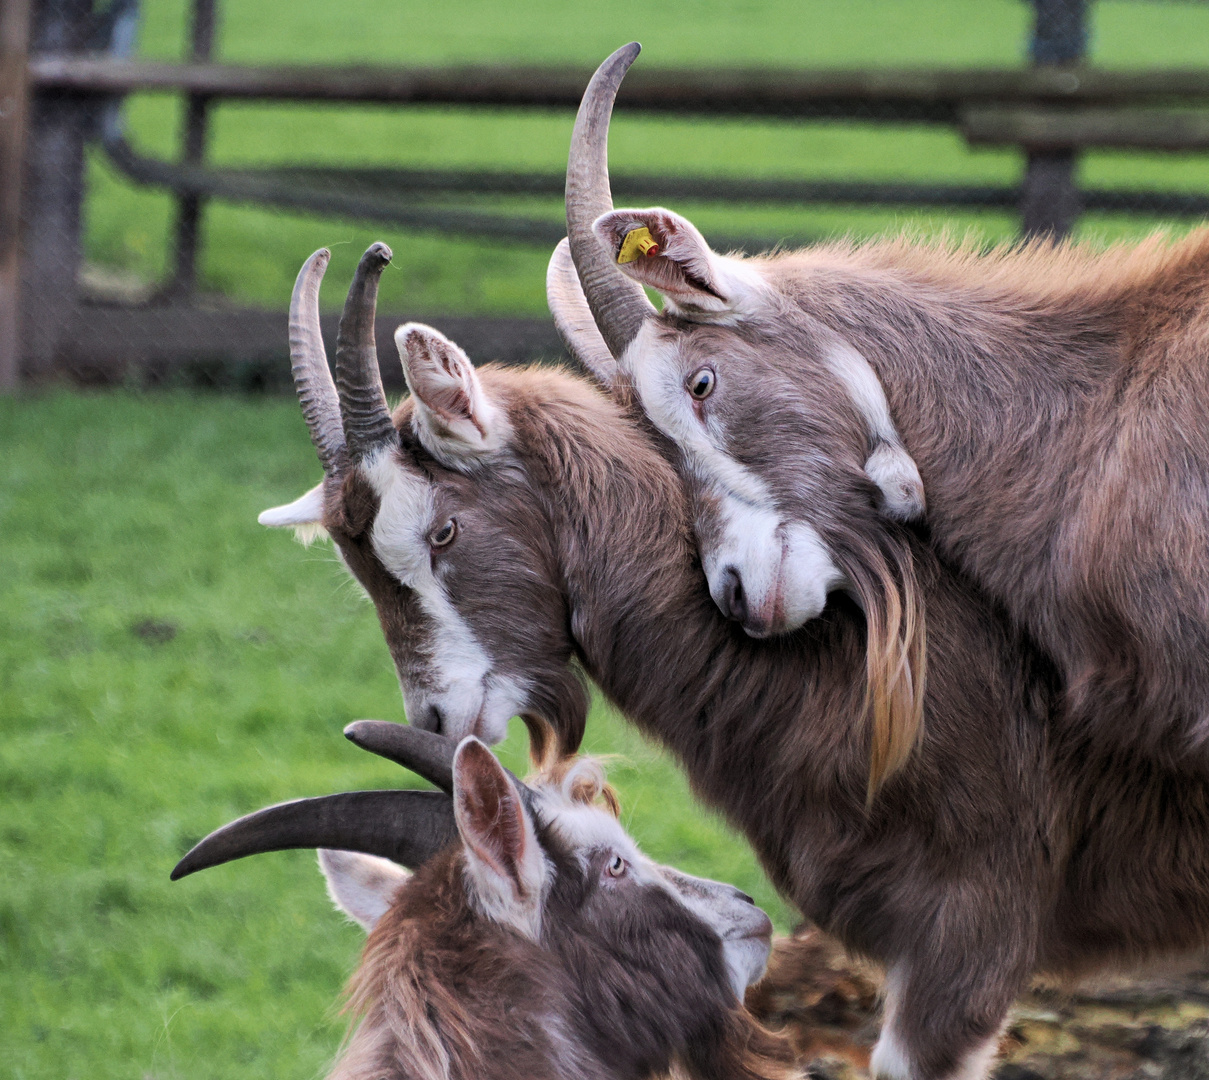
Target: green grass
252, 255
120, 749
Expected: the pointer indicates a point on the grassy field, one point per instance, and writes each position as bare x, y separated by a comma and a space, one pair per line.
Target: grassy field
165, 664
252, 254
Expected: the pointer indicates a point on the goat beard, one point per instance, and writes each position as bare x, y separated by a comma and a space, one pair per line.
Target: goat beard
557, 717
741, 1049
884, 583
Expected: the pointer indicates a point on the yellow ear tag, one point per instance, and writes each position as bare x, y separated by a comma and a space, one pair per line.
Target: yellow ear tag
637, 242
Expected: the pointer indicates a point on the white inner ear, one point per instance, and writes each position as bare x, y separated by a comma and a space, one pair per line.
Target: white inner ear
362, 886
304, 515
733, 287
454, 418
515, 902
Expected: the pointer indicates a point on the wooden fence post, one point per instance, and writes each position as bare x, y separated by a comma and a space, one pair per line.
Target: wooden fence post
1049, 200
58, 126
189, 207
14, 47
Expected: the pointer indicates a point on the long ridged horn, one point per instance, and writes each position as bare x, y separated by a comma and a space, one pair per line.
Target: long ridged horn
359, 383
308, 362
423, 752
573, 318
618, 303
407, 827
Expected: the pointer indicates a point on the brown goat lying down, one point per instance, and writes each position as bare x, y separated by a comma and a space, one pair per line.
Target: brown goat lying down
533, 941
1052, 402
507, 521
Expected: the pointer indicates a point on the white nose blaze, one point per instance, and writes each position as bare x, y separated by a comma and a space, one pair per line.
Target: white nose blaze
771, 575
463, 693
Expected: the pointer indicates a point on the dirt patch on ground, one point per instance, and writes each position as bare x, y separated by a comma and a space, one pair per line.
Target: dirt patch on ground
1154, 1027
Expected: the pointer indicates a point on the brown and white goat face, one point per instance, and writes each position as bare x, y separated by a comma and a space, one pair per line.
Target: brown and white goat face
784, 429
550, 862
441, 529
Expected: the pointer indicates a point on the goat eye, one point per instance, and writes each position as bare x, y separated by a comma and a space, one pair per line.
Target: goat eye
616, 867
444, 534
701, 383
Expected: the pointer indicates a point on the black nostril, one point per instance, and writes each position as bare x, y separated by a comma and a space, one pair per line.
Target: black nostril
435, 719
747, 899
734, 602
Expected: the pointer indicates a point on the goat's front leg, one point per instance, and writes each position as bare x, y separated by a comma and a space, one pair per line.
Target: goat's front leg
944, 1014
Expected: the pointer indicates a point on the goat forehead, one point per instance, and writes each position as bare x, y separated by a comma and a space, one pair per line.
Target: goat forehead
583, 829
400, 540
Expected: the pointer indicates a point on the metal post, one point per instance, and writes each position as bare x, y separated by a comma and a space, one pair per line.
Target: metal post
14, 47
58, 126
189, 207
1049, 204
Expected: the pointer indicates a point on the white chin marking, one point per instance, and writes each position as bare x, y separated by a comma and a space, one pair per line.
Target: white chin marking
787, 571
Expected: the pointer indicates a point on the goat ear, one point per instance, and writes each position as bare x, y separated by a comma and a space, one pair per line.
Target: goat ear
304, 515
455, 420
504, 859
680, 265
362, 886
894, 471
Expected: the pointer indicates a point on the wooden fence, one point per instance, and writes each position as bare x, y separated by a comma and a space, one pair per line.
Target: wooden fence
63, 76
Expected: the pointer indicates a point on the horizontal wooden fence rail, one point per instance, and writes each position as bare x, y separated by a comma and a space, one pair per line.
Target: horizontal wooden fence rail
77, 76
922, 95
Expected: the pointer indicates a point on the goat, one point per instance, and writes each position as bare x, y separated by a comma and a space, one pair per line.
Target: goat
534, 940
530, 520
1052, 402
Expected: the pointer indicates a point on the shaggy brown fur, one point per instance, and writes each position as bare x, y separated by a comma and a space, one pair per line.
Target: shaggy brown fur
1003, 845
623, 984
1056, 402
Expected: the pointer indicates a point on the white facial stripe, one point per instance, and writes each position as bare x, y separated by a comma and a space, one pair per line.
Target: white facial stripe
584, 829
786, 568
745, 930
472, 699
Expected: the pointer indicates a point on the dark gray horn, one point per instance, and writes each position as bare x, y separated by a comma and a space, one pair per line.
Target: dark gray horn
308, 362
407, 827
573, 318
618, 303
363, 408
423, 752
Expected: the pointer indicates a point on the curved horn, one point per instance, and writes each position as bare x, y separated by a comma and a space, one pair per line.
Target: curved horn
423, 752
573, 318
618, 303
407, 827
363, 408
308, 363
